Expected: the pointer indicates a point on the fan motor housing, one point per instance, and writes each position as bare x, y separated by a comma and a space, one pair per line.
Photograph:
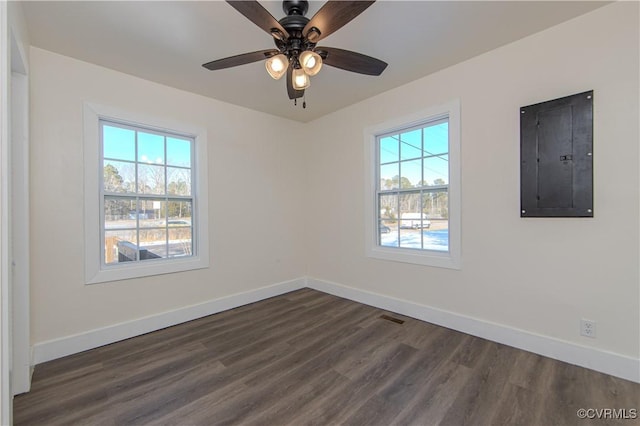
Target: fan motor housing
295, 19
295, 7
293, 23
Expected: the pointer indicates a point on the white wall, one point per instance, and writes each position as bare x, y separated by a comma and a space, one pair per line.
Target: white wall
254, 191
537, 275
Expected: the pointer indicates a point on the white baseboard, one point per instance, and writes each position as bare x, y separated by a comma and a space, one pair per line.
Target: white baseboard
57, 348
595, 359
592, 358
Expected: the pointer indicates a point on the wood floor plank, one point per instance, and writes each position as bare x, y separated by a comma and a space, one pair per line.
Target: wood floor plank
517, 407
284, 410
55, 406
471, 352
406, 385
265, 341
269, 399
371, 343
236, 336
129, 383
167, 394
271, 331
476, 402
342, 402
433, 399
203, 410
532, 371
420, 334
376, 411
309, 358
348, 318
226, 386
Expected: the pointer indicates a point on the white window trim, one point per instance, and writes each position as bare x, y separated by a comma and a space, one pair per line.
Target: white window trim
451, 259
95, 272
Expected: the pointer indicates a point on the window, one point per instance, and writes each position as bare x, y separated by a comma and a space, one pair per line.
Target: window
146, 194
149, 213
413, 166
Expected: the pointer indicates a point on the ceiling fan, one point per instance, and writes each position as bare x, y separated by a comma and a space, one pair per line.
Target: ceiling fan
295, 37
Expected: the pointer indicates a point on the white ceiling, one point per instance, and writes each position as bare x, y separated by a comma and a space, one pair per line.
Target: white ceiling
168, 41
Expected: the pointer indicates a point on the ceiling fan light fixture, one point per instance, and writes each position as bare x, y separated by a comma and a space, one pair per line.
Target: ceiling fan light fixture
277, 34
310, 62
299, 79
277, 66
296, 36
313, 35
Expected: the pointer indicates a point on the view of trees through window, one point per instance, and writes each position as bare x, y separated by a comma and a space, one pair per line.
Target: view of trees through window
147, 199
413, 187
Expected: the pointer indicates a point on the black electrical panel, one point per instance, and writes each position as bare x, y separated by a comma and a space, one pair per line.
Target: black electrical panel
556, 157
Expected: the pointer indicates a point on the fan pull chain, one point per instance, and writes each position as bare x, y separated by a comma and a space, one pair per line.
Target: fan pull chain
304, 100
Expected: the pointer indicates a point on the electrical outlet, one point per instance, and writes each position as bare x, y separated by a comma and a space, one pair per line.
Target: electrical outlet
588, 328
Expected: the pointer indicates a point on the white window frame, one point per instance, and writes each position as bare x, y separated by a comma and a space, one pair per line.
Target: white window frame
451, 259
95, 270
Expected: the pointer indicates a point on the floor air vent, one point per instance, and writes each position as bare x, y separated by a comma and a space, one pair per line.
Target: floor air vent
392, 319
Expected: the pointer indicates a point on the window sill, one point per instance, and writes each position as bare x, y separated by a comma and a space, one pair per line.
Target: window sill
149, 268
417, 257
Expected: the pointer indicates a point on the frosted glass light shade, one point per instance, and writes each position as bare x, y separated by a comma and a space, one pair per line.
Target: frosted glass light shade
300, 79
310, 62
277, 66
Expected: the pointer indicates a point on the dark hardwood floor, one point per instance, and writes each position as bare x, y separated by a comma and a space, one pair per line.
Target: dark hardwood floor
311, 358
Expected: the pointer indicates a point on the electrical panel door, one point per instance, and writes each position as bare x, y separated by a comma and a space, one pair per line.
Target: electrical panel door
556, 154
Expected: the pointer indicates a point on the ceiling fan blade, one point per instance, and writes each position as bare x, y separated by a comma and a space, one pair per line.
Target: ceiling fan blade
257, 14
333, 15
351, 61
293, 93
245, 58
